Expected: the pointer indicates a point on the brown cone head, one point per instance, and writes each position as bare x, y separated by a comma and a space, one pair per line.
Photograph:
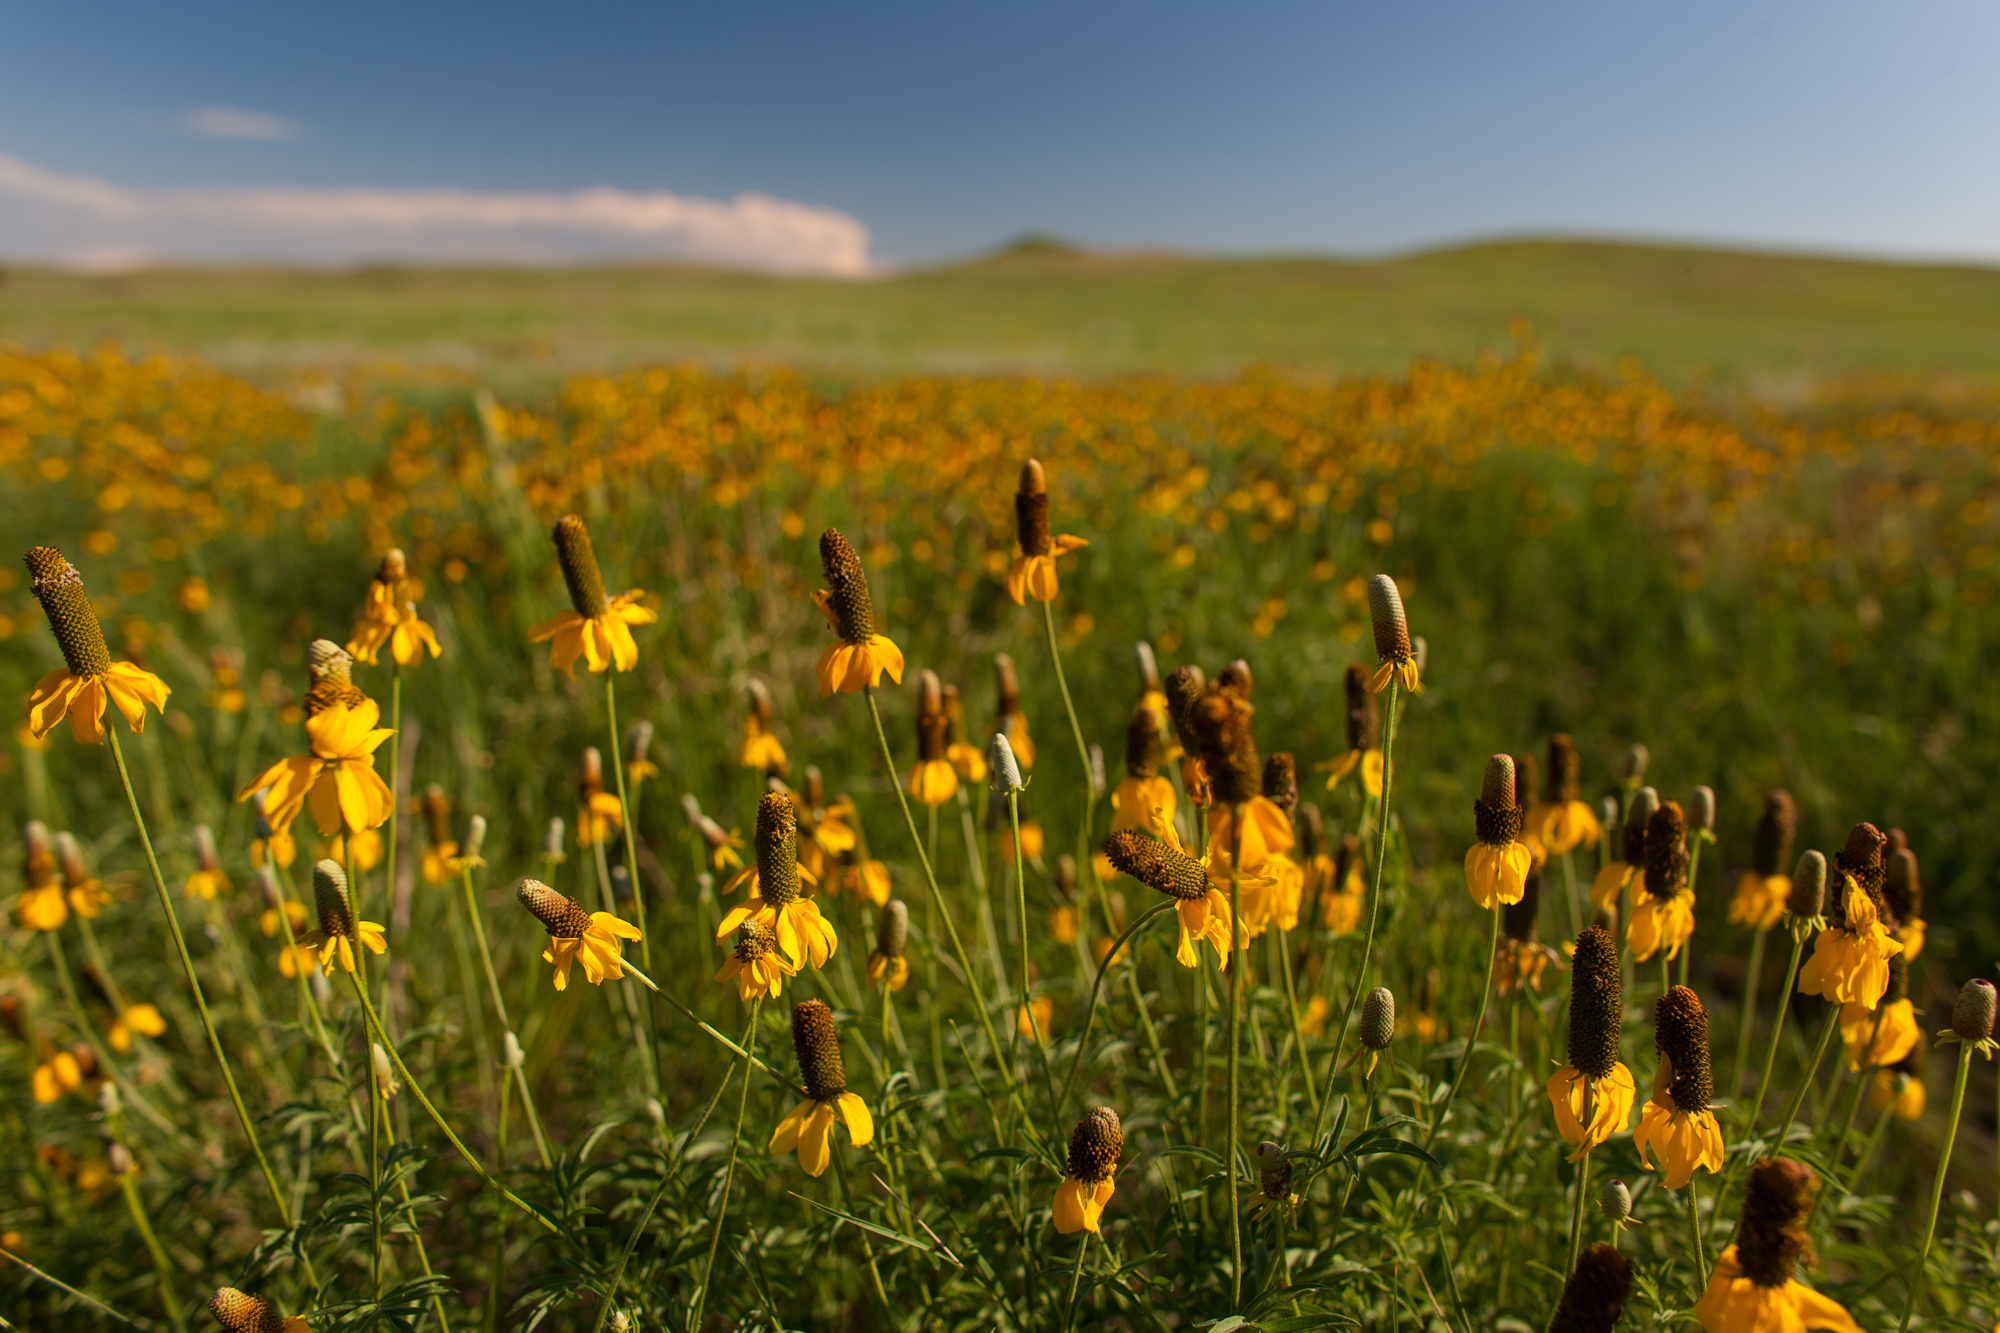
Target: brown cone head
1385, 615
240, 1312
1094, 1146
1521, 921
1632, 837
1596, 1005
579, 567
1156, 865
1031, 513
1771, 1239
59, 588
1594, 1296
1861, 858
846, 588
1680, 1029
1666, 852
1901, 886
1972, 1013
777, 848
1775, 829
1143, 746
1364, 724
1565, 768
818, 1048
1220, 720
1527, 781
1235, 678
1281, 782
331, 902
1184, 685
564, 917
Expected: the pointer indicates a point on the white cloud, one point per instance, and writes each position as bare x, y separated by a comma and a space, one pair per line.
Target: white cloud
223, 122
86, 222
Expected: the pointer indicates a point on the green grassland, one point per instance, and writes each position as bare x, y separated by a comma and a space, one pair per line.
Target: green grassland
1771, 323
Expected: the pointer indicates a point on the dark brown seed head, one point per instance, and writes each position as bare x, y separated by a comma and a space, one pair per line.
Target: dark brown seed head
818, 1049
1311, 830
754, 942
38, 866
1901, 887
815, 792
1972, 1012
1385, 614
1156, 865
437, 814
1496, 818
1521, 920
1350, 854
1565, 768
1235, 678
1221, 723
1632, 838
240, 1312
1094, 1146
1281, 782
1594, 1296
1861, 859
1771, 1239
1680, 1030
579, 567
933, 727
1898, 840
1775, 828
1006, 684
1031, 510
1666, 852
331, 901
1527, 781
1364, 724
1143, 744
1596, 1004
892, 929
846, 588
777, 849
1899, 979
1184, 685
1378, 1019
332, 671
59, 588
564, 917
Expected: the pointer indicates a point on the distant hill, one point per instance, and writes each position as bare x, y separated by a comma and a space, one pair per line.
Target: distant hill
1734, 319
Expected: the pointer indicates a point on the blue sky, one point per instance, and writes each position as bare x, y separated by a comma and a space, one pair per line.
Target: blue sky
947, 127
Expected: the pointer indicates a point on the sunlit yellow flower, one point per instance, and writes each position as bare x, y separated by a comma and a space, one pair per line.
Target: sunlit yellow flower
1752, 1289
969, 760
1032, 842
858, 656
389, 616
1062, 922
338, 931
297, 960
1897, 1034
1592, 1095
826, 833
1392, 636
1496, 869
1677, 1126
442, 860
1135, 799
638, 741
1034, 570
363, 850
90, 680
208, 878
599, 628
1565, 822
577, 936
933, 780
1199, 888
225, 669
143, 1019
61, 1072
41, 909
1895, 1089
761, 749
756, 967
1031, 1020
1267, 830
337, 778
1903, 895
774, 902
268, 922
1850, 961
1762, 890
239, 1312
598, 811
808, 1127
1088, 1183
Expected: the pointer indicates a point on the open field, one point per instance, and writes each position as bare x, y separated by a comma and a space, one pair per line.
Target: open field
1787, 585
1772, 323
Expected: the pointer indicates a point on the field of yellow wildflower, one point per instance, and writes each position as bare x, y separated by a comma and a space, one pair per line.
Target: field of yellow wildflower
704, 850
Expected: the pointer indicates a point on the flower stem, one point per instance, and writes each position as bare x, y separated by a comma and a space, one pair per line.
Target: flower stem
1021, 900
1298, 1030
1937, 1185
395, 780
1075, 1277
937, 895
626, 821
1339, 1032
1694, 1235
1777, 1030
1096, 989
728, 1180
162, 1267
500, 1008
1239, 956
200, 1001
1569, 884
1860, 1085
1478, 1025
1811, 1075
1582, 1178
1082, 749
1747, 1027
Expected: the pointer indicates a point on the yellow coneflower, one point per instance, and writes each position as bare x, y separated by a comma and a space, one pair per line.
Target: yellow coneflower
1565, 821
1753, 1289
208, 878
597, 810
1592, 1095
1090, 1180
1763, 889
441, 859
1008, 719
142, 1019
826, 832
41, 905
239, 1312
1184, 685
1627, 867
389, 616
577, 936
59, 1072
83, 891
1886, 1033
1220, 721
1392, 635
1595, 1294
366, 849
1898, 1090
1031, 1020
886, 964
1364, 735
933, 780
1850, 959
859, 655
1199, 888
968, 759
808, 1127
1281, 789
1143, 790
225, 671
297, 960
337, 778
1496, 869
268, 922
1903, 891
1677, 1127
89, 680
1662, 903
1522, 957
724, 847
756, 967
868, 878
338, 931
638, 745
775, 902
1034, 570
598, 628
1341, 900
761, 749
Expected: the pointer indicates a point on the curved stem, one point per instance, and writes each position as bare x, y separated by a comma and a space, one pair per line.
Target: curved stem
728, 1181
500, 1008
1075, 1276
1238, 948
1937, 1185
1076, 730
1478, 1025
1863, 1074
1096, 988
395, 780
1694, 1235
1777, 1030
1582, 1179
201, 1001
626, 821
1811, 1075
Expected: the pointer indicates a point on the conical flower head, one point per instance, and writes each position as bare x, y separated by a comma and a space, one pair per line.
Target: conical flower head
579, 567
1775, 829
892, 929
1597, 1004
1496, 816
1095, 1145
1378, 1019
1281, 782
817, 1046
1185, 684
1386, 618
1031, 510
846, 588
1666, 854
564, 917
1158, 865
1594, 1296
331, 900
1364, 722
1860, 858
1680, 1029
1771, 1239
1220, 720
777, 848
59, 588
1632, 837
1565, 775
240, 1312
1143, 744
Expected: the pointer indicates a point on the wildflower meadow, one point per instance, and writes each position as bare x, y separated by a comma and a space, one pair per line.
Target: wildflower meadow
1493, 846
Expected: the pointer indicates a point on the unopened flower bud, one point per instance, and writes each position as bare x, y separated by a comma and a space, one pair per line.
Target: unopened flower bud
475, 836
1701, 810
552, 840
1378, 1019
385, 1073
1616, 1201
1632, 768
1808, 897
511, 1054
1972, 1015
1386, 618
108, 1099
1148, 665
1005, 771
892, 929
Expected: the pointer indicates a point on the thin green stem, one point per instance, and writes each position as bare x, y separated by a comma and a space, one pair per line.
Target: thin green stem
626, 820
1777, 1030
1096, 988
1298, 1029
728, 1182
1569, 895
162, 1267
500, 1008
61, 1285
1076, 730
1239, 956
1747, 1026
1478, 1026
200, 1001
395, 779
1862, 1075
1694, 1236
1027, 995
1075, 1279
1582, 1180
374, 1173
1810, 1077
867, 1247
1937, 1184
1874, 1141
